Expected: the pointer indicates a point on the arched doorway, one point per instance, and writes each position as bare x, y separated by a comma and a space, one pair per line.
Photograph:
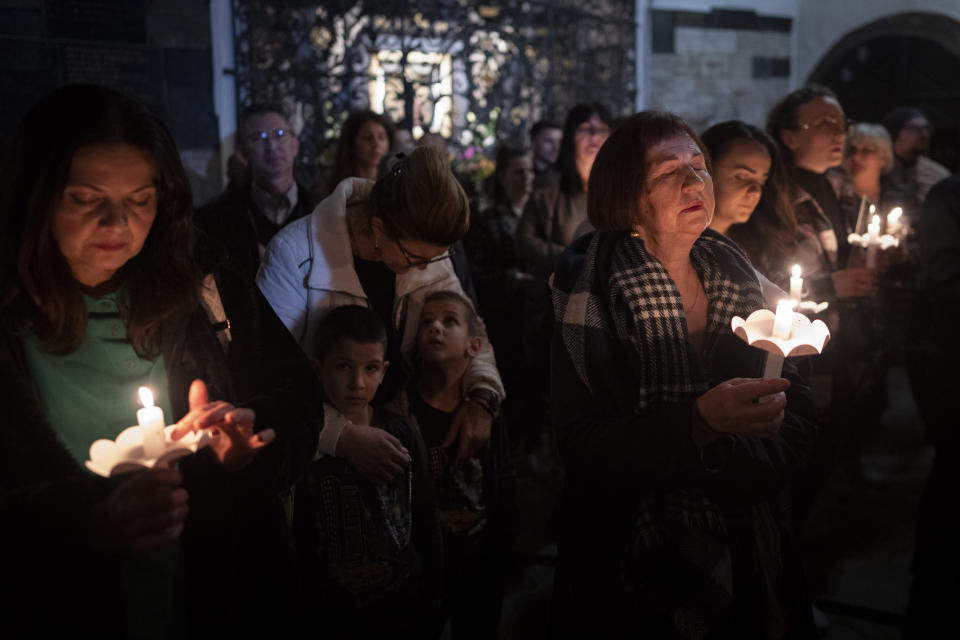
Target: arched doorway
904, 59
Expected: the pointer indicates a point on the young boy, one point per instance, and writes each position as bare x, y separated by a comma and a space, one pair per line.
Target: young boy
368, 537
471, 498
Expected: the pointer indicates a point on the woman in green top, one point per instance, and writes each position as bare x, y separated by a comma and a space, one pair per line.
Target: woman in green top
104, 288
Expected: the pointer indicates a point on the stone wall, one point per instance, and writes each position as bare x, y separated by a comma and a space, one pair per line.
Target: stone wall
156, 51
718, 65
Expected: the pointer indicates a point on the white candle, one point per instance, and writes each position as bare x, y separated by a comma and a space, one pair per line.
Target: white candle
784, 319
893, 220
873, 239
151, 422
796, 283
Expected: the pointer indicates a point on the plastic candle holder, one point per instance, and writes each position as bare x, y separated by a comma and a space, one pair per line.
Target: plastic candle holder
805, 338
873, 241
126, 453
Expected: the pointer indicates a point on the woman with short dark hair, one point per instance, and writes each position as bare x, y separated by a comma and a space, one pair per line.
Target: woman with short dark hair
671, 519
104, 288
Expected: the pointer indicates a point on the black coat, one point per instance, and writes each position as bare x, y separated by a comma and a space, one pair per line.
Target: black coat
235, 563
233, 220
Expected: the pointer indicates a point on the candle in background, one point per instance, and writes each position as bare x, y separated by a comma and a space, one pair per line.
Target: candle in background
873, 232
893, 220
151, 422
784, 319
860, 212
796, 283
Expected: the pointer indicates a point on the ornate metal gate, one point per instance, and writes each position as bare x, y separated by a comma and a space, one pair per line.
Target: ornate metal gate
473, 72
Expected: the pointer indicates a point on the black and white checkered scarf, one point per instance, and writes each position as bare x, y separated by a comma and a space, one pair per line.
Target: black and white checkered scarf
621, 319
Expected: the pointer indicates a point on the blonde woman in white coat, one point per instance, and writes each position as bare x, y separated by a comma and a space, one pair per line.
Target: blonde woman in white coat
361, 241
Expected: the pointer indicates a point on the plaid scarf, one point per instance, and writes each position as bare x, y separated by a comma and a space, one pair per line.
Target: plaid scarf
621, 319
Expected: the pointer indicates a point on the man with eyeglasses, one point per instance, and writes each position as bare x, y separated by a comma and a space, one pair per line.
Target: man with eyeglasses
245, 219
913, 171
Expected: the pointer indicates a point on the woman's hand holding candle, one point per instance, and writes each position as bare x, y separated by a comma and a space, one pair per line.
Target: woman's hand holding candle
145, 511
855, 282
234, 442
733, 407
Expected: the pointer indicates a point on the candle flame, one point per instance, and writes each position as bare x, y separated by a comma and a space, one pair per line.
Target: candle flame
894, 214
146, 397
795, 272
873, 208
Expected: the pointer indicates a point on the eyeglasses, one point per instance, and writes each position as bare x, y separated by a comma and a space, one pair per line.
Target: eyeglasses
261, 137
828, 126
413, 260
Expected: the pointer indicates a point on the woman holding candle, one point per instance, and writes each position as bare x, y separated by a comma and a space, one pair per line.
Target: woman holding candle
867, 160
671, 519
810, 127
103, 289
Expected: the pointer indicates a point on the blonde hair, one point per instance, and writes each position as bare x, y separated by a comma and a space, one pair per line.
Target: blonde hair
420, 199
875, 133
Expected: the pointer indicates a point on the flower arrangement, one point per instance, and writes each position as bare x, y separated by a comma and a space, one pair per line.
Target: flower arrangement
473, 164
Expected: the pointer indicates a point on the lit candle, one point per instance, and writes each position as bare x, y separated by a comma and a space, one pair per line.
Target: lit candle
151, 422
893, 220
784, 319
873, 239
796, 283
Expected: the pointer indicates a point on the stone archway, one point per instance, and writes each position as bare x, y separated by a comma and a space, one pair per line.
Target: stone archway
907, 58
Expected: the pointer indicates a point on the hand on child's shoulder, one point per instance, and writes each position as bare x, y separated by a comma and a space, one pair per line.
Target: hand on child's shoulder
377, 455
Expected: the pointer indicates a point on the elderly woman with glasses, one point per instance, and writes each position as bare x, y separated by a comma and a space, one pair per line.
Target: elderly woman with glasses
868, 160
676, 451
384, 245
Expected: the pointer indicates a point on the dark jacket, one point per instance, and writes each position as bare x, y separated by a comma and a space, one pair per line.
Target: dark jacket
235, 222
234, 541
373, 554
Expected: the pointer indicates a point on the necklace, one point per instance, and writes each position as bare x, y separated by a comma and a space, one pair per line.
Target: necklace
696, 300
696, 297
391, 505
